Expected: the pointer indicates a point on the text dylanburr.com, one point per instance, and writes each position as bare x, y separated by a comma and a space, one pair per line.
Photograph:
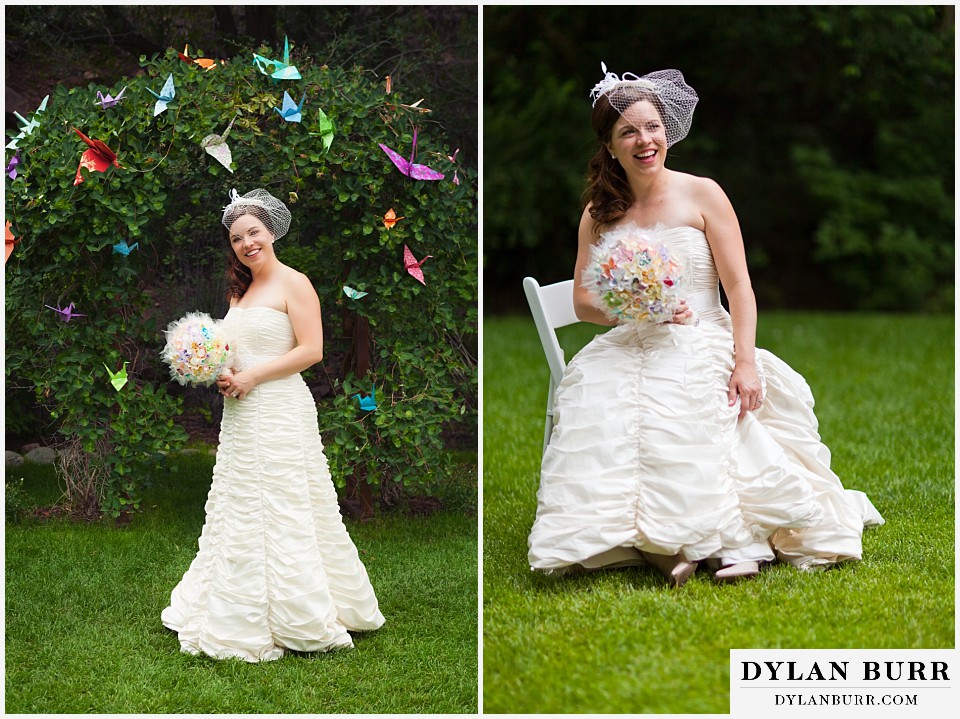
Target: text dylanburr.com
844, 682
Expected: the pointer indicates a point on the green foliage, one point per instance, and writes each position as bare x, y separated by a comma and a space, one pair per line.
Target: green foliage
870, 87
16, 501
168, 196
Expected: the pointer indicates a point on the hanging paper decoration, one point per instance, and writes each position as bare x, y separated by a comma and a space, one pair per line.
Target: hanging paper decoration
390, 219
352, 293
108, 100
369, 403
216, 146
96, 159
28, 126
8, 242
67, 313
205, 62
291, 112
277, 69
167, 93
408, 167
12, 165
389, 85
121, 248
325, 125
453, 159
117, 379
411, 265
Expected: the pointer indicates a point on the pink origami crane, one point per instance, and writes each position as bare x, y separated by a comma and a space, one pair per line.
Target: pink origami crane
67, 313
408, 167
411, 265
108, 100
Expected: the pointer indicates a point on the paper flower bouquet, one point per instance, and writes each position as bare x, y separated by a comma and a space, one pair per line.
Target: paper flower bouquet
634, 278
197, 349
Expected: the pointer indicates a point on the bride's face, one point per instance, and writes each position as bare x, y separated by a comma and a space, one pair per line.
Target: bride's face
251, 241
639, 139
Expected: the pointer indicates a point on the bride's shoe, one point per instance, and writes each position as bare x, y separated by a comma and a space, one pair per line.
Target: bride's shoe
740, 570
676, 569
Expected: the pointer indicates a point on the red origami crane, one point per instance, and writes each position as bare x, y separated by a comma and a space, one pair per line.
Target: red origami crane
97, 159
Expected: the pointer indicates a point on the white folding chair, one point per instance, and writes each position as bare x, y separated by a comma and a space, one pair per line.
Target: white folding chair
552, 307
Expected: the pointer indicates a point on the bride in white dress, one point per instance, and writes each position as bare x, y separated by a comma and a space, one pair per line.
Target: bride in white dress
680, 442
276, 569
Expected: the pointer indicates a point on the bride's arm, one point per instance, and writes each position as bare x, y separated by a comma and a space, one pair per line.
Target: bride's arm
303, 307
585, 309
726, 244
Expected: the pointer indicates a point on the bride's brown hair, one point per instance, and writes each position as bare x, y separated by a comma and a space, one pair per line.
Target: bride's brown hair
238, 276
608, 191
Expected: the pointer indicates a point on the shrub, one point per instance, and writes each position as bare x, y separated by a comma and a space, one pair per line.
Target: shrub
168, 195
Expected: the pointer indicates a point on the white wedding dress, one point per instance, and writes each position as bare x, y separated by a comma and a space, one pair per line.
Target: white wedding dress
276, 568
647, 455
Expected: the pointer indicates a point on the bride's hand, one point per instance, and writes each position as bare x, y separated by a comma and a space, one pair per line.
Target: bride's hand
236, 384
682, 315
745, 383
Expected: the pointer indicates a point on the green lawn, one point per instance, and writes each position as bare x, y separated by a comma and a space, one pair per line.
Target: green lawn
83, 631
621, 641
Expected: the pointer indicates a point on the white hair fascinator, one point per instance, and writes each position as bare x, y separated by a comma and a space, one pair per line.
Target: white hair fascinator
666, 89
262, 205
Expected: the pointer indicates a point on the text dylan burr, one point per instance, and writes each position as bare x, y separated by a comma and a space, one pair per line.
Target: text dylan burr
838, 671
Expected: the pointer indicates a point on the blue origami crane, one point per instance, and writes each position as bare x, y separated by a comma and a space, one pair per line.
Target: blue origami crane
277, 69
368, 404
123, 249
166, 95
291, 112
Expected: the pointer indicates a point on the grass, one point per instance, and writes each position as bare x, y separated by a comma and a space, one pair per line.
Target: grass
83, 631
621, 641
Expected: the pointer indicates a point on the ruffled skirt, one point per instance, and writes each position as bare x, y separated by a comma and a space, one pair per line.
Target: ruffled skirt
647, 455
276, 568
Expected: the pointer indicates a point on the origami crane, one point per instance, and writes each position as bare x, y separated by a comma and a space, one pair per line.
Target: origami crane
277, 69
352, 293
408, 167
411, 265
29, 126
368, 404
8, 242
390, 219
453, 159
291, 112
12, 165
121, 248
97, 159
325, 125
205, 62
216, 146
119, 378
167, 93
108, 100
67, 313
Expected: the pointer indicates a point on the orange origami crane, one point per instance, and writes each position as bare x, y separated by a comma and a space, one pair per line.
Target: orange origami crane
8, 242
97, 159
205, 62
390, 219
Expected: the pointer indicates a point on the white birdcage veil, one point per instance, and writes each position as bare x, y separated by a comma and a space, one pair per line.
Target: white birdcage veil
666, 89
262, 205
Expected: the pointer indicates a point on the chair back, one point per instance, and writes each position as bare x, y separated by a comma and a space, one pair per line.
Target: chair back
552, 307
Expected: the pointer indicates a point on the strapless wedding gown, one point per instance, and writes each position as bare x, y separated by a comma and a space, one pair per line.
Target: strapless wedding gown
276, 568
646, 454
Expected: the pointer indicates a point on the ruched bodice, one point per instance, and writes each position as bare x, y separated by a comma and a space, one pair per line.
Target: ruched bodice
276, 568
260, 334
647, 454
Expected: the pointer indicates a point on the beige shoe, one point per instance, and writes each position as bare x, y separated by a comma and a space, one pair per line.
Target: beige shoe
740, 570
676, 569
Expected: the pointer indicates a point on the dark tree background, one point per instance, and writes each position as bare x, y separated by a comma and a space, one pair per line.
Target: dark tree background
429, 51
830, 128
